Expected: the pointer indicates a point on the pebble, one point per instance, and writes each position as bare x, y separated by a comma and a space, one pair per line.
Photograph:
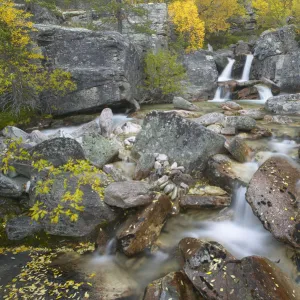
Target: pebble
174, 166
162, 180
157, 165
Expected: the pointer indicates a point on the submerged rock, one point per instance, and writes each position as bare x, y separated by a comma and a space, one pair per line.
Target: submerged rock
184, 141
181, 103
216, 274
143, 228
128, 194
175, 286
278, 119
284, 104
273, 196
239, 149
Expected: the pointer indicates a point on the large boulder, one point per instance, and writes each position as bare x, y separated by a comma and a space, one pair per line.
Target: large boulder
216, 274
12, 188
95, 212
284, 104
202, 75
105, 66
58, 151
185, 142
273, 195
276, 58
128, 194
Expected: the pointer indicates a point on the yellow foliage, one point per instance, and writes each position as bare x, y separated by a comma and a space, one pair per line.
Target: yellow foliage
184, 15
274, 12
216, 14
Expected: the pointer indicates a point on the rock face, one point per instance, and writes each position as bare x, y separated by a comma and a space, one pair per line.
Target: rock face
276, 58
128, 194
184, 141
284, 104
273, 196
216, 274
202, 75
58, 151
175, 286
95, 210
142, 229
104, 65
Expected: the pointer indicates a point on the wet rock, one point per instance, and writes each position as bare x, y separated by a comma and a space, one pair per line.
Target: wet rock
181, 103
256, 114
211, 118
37, 137
273, 196
226, 173
21, 227
216, 274
243, 123
215, 128
230, 105
246, 93
170, 134
143, 228
58, 151
175, 286
128, 194
284, 104
15, 133
95, 211
199, 202
278, 119
12, 188
99, 150
180, 177
106, 122
228, 131
144, 166
239, 149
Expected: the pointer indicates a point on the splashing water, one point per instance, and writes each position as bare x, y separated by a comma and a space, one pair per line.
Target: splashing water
264, 92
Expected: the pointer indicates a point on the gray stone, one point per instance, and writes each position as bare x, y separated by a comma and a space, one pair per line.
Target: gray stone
273, 195
278, 119
186, 142
128, 194
144, 166
202, 75
205, 201
284, 104
15, 133
106, 122
95, 212
211, 118
21, 227
90, 127
43, 15
37, 137
105, 66
243, 123
242, 48
228, 131
142, 229
131, 128
215, 128
99, 150
181, 103
256, 114
239, 149
58, 151
230, 105
12, 188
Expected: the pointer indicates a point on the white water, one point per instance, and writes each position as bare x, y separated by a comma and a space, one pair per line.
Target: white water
284, 146
226, 74
264, 92
247, 68
222, 94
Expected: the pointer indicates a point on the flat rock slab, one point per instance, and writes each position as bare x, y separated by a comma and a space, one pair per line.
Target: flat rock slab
274, 196
198, 202
143, 228
186, 142
216, 274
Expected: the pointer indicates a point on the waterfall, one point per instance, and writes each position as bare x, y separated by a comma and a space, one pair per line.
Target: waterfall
226, 74
222, 94
264, 92
247, 68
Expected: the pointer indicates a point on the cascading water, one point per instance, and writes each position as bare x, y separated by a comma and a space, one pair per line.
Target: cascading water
247, 68
222, 94
226, 74
264, 92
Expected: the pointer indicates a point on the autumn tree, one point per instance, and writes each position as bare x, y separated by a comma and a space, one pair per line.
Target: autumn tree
273, 13
22, 76
189, 26
216, 14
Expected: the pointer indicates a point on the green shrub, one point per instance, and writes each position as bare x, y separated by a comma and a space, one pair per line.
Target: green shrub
164, 72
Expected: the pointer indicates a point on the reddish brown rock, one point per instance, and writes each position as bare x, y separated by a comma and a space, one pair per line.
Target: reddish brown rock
198, 202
